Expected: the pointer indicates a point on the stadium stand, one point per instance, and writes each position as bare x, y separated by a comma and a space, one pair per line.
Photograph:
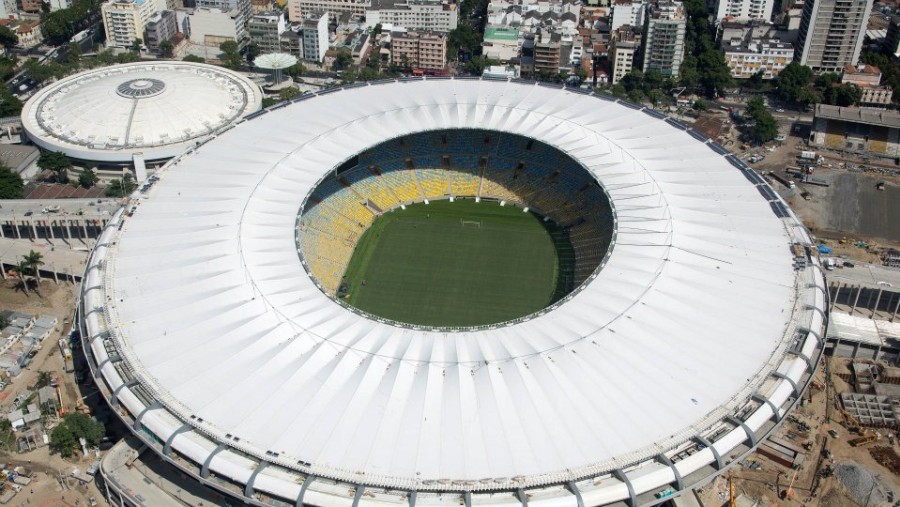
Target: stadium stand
453, 163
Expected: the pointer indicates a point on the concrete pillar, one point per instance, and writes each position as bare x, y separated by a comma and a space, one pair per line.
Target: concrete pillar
34, 230
856, 300
837, 294
49, 226
2, 234
877, 302
84, 228
896, 307
16, 227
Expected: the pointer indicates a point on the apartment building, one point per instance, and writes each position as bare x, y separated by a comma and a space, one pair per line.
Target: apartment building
664, 38
627, 12
429, 15
746, 58
314, 32
744, 10
623, 45
162, 26
125, 20
265, 30
831, 33
421, 51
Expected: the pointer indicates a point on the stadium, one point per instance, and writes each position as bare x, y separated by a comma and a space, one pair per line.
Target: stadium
151, 112
443, 291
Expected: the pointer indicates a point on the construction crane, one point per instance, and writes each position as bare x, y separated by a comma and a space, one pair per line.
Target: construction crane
731, 490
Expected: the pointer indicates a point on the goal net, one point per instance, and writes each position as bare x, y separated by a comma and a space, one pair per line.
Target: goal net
470, 223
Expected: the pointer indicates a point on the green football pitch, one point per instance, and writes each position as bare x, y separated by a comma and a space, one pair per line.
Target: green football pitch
458, 264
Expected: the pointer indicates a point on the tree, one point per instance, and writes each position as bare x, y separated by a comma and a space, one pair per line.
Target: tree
7, 37
60, 25
636, 96
792, 79
253, 51
715, 75
343, 60
11, 186
766, 128
9, 104
83, 426
376, 29
465, 39
64, 437
295, 70
618, 90
87, 178
231, 55
121, 187
289, 93
194, 59
73, 54
21, 267
57, 162
166, 49
477, 64
34, 260
43, 379
63, 441
136, 44
755, 107
700, 105
655, 96
756, 80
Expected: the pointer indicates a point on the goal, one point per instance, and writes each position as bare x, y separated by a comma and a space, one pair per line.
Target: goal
470, 223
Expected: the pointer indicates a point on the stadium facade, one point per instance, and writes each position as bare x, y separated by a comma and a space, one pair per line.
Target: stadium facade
137, 114
690, 341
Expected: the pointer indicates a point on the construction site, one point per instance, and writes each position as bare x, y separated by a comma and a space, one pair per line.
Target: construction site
838, 448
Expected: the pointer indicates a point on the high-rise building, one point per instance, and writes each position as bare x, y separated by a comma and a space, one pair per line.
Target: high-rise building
265, 30
627, 12
623, 45
124, 20
243, 9
892, 40
314, 31
424, 51
664, 38
162, 26
831, 33
437, 15
744, 10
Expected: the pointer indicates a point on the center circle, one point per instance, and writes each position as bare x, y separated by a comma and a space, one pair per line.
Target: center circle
455, 229
141, 88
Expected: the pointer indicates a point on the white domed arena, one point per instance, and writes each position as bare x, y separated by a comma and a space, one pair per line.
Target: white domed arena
151, 111
213, 317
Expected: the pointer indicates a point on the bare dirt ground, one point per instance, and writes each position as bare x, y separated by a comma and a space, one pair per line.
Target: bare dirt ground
851, 207
52, 485
770, 480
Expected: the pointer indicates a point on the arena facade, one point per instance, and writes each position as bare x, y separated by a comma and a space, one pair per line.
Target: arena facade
137, 114
690, 340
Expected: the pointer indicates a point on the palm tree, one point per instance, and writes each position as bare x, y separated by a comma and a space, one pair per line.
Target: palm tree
43, 379
34, 260
21, 267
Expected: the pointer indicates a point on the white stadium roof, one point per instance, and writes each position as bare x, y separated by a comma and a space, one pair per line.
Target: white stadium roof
221, 345
156, 109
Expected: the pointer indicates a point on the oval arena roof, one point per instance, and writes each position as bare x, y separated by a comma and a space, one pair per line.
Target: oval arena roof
202, 319
157, 109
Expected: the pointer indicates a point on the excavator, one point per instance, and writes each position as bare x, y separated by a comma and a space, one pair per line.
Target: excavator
853, 425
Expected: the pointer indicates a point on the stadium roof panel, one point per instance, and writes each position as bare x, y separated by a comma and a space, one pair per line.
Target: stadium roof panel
156, 109
216, 316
